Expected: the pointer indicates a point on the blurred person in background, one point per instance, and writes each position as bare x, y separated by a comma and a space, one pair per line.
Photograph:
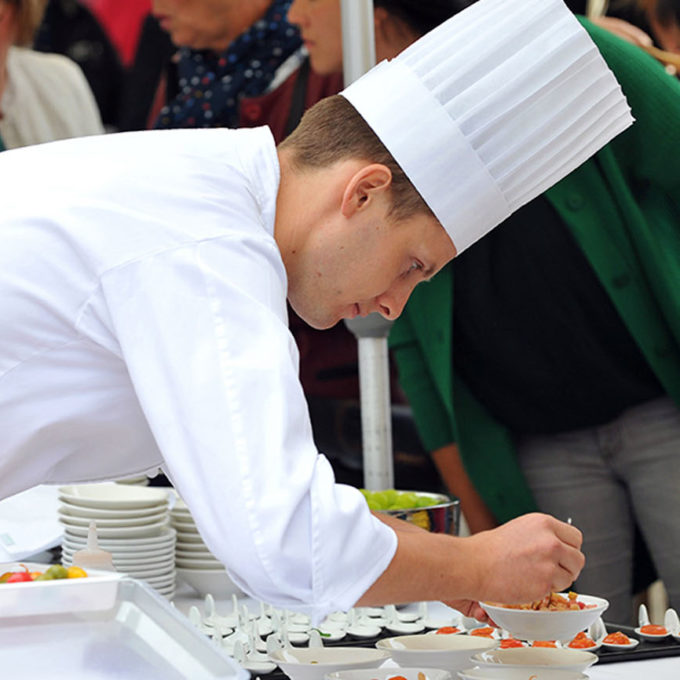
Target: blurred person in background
543, 365
71, 28
43, 97
227, 50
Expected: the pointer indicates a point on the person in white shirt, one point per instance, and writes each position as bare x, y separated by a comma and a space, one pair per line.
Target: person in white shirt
144, 324
43, 97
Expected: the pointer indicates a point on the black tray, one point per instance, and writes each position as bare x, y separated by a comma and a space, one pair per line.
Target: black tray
645, 650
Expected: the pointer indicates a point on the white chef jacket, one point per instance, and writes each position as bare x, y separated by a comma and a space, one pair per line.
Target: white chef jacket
144, 324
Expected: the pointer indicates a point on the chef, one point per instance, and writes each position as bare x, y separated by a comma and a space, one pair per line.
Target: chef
144, 280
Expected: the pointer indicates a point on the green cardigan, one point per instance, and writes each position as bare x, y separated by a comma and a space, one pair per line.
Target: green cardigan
623, 207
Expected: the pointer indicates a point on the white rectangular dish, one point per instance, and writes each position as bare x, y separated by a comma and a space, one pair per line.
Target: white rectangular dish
101, 627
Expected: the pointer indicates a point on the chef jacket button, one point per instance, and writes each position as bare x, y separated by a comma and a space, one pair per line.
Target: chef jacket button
575, 202
621, 281
251, 110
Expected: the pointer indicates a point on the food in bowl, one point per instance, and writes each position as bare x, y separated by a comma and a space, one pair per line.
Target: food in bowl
547, 624
555, 602
53, 572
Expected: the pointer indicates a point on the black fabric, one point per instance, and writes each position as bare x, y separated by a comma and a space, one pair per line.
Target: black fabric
297, 104
536, 337
152, 64
70, 29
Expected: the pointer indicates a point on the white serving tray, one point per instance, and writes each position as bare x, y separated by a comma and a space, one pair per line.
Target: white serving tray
101, 627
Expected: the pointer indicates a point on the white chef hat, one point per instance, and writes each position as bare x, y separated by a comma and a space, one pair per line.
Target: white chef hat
491, 108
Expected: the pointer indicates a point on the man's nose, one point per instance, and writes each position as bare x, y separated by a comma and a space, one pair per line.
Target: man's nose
392, 302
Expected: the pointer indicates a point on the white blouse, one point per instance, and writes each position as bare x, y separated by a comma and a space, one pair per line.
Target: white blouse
144, 324
46, 98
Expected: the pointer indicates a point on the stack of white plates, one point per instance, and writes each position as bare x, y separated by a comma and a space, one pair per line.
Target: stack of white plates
132, 524
195, 564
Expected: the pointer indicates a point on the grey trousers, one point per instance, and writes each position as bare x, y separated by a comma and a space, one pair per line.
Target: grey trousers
605, 478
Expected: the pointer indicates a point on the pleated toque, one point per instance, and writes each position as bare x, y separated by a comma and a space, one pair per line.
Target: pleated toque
491, 108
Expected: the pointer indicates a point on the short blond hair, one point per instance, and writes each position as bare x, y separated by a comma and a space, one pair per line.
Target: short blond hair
332, 130
29, 16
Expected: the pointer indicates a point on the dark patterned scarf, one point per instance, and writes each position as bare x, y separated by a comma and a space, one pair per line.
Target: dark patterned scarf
211, 85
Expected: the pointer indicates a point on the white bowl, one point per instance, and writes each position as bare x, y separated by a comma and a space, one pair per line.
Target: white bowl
111, 495
388, 673
449, 652
215, 582
528, 624
313, 663
535, 658
519, 674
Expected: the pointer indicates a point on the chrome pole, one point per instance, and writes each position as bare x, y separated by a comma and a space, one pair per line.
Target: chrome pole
358, 49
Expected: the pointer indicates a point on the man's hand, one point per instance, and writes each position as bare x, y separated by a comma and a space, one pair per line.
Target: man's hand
526, 558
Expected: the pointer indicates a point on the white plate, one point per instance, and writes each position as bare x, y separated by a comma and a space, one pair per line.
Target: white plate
536, 657
99, 513
191, 547
215, 582
107, 523
387, 673
450, 652
164, 538
187, 527
113, 496
163, 574
184, 537
519, 674
211, 563
145, 531
315, 663
204, 554
651, 638
138, 557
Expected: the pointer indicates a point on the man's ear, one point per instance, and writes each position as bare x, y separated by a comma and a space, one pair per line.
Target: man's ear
365, 186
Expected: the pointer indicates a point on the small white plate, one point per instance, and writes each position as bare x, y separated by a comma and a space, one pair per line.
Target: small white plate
100, 513
198, 564
633, 643
164, 538
113, 496
651, 638
144, 531
108, 523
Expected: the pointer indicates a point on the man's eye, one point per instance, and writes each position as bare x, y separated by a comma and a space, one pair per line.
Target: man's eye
415, 266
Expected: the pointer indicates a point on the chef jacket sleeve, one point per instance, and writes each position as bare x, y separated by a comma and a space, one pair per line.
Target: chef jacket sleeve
203, 333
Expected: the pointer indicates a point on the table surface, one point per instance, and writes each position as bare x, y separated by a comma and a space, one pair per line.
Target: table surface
667, 668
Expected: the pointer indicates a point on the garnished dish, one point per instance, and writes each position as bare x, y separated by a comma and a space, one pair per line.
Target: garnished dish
53, 572
448, 630
583, 641
555, 602
558, 616
652, 632
619, 640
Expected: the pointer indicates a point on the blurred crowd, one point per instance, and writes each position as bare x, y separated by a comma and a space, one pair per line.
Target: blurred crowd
81, 67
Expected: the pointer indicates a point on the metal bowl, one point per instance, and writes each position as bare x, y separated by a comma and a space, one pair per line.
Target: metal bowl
443, 517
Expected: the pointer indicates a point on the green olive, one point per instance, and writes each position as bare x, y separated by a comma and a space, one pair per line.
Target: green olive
57, 571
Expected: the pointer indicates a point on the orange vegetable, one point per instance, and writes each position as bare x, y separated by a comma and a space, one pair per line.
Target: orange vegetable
582, 641
509, 643
487, 631
544, 643
652, 629
447, 630
617, 638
